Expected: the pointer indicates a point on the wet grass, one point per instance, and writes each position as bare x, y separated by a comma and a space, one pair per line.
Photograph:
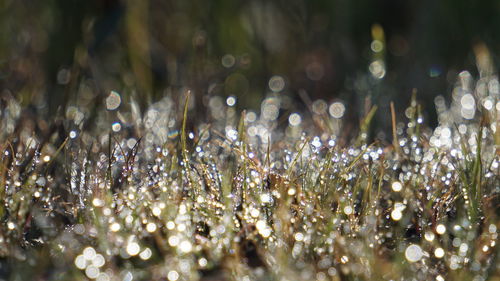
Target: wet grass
155, 196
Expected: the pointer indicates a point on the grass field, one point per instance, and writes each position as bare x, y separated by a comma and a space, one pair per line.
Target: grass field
112, 193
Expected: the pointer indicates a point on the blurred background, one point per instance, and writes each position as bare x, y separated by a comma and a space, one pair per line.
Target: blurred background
56, 53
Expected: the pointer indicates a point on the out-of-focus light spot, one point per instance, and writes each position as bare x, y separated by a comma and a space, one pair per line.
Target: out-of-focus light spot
377, 69
128, 276
131, 143
146, 254
170, 225
299, 236
440, 229
72, 134
467, 101
294, 119
265, 198
377, 46
344, 259
113, 100
151, 227
231, 101
231, 134
488, 104
462, 129
156, 211
276, 83
467, 113
494, 86
173, 240
79, 229
97, 202
181, 227
316, 142
397, 186
463, 248
92, 272
98, 260
413, 253
348, 210
115, 227
133, 248
492, 229
439, 253
250, 117
263, 228
80, 262
215, 103
185, 246
332, 271
429, 236
41, 181
319, 107
270, 112
11, 225
173, 275
396, 214
116, 127
228, 61
102, 277
89, 253
203, 262
336, 110
446, 133
254, 213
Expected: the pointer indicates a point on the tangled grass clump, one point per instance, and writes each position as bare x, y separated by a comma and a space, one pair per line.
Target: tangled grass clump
132, 196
